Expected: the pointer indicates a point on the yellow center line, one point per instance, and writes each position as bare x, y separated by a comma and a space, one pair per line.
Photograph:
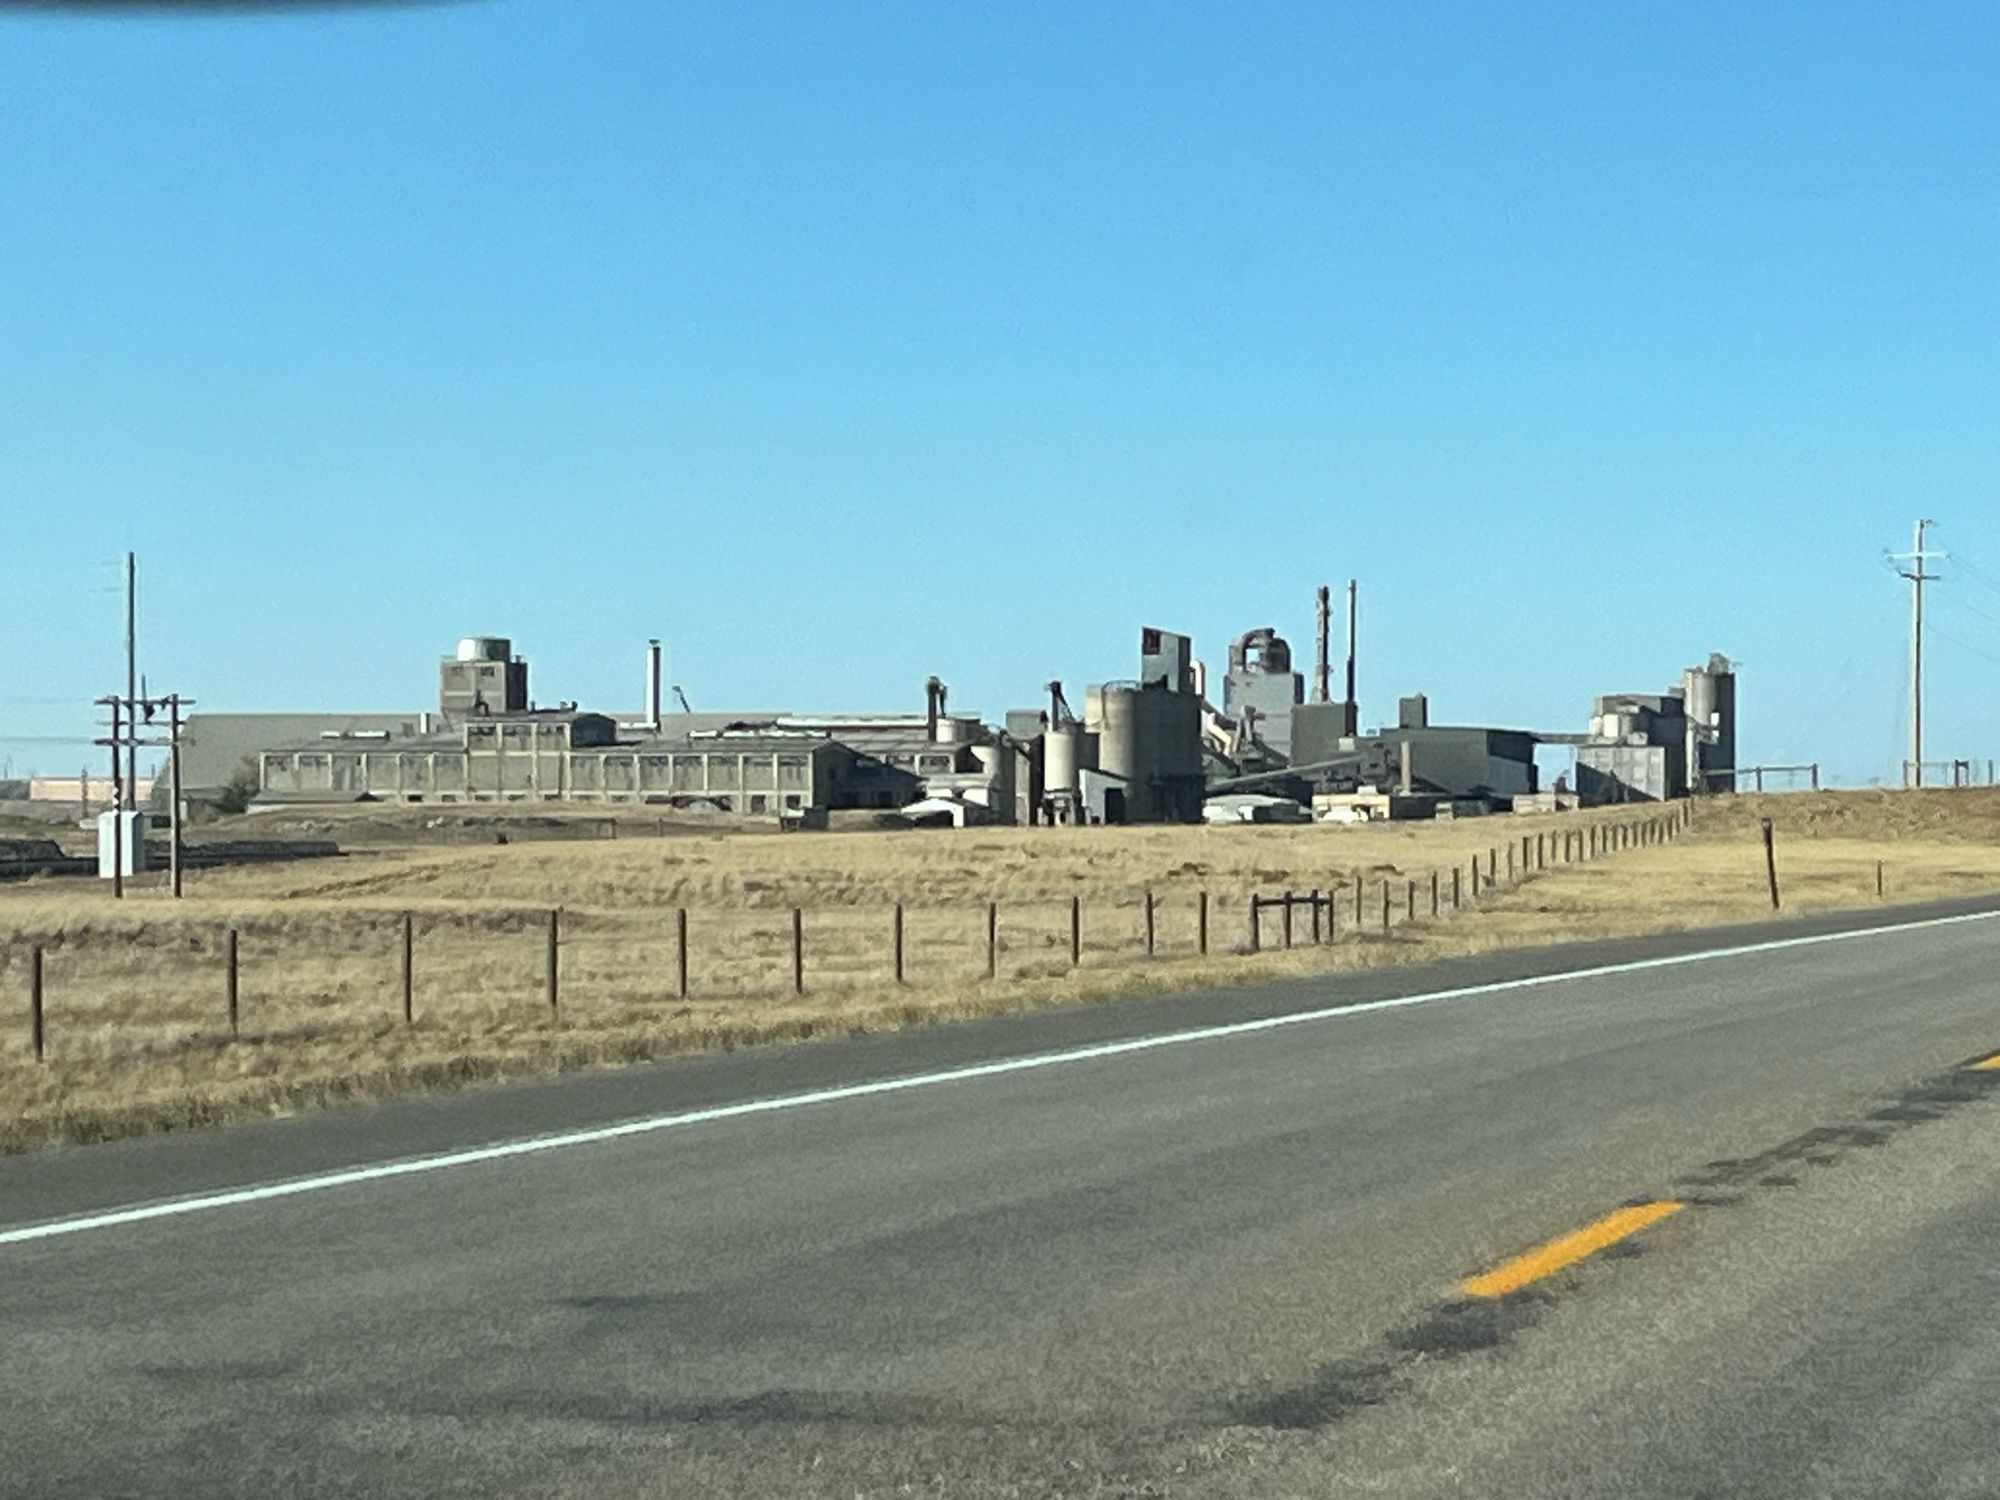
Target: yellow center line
1512, 1275
1987, 1062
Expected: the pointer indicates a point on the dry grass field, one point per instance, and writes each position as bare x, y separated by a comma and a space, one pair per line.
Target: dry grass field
137, 1024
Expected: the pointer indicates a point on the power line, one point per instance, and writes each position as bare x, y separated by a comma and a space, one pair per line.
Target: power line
1959, 601
1965, 646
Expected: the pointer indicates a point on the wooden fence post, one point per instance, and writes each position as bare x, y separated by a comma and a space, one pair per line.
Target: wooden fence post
1409, 901
1149, 924
1288, 919
681, 947
1360, 916
1454, 887
1771, 862
798, 951
232, 982
1075, 931
1434, 893
552, 968
1256, 932
1317, 940
37, 1031
992, 939
899, 942
1201, 922
1385, 903
409, 972
1878, 880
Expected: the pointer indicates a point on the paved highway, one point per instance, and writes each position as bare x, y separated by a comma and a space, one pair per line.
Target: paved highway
1636, 1219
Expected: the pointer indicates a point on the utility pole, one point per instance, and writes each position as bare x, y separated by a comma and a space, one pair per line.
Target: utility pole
131, 677
174, 789
1918, 577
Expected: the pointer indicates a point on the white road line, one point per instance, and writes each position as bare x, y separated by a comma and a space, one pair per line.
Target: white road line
501, 1150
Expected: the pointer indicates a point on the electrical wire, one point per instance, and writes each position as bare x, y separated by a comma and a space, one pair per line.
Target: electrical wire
1973, 571
1932, 630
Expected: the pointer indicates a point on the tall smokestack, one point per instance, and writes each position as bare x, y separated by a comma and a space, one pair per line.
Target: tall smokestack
934, 701
1321, 667
1352, 717
653, 684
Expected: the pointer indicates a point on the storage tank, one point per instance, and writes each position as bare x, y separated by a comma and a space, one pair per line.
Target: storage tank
485, 648
1062, 756
1118, 732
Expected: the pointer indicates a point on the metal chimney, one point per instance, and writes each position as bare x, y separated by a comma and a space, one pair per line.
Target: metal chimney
1322, 668
934, 701
1352, 718
652, 684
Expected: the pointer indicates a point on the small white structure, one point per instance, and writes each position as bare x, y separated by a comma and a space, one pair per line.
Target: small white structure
116, 844
1253, 807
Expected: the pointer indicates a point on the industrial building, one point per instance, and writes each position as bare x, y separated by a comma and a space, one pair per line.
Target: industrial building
488, 743
1136, 755
1145, 750
1650, 747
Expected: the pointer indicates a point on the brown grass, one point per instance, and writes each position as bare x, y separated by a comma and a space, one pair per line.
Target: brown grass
137, 1027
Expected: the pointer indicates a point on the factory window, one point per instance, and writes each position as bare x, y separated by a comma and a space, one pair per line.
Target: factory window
687, 773
583, 772
794, 800
792, 770
934, 763
759, 802
757, 770
654, 771
723, 770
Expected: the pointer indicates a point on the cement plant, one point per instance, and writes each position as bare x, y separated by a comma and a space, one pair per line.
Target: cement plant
1173, 744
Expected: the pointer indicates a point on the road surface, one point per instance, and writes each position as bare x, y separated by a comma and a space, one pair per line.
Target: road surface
1641, 1218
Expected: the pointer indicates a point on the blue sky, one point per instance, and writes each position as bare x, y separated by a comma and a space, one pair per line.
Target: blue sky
841, 344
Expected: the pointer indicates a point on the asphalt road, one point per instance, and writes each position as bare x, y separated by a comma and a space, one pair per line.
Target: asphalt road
1145, 1263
